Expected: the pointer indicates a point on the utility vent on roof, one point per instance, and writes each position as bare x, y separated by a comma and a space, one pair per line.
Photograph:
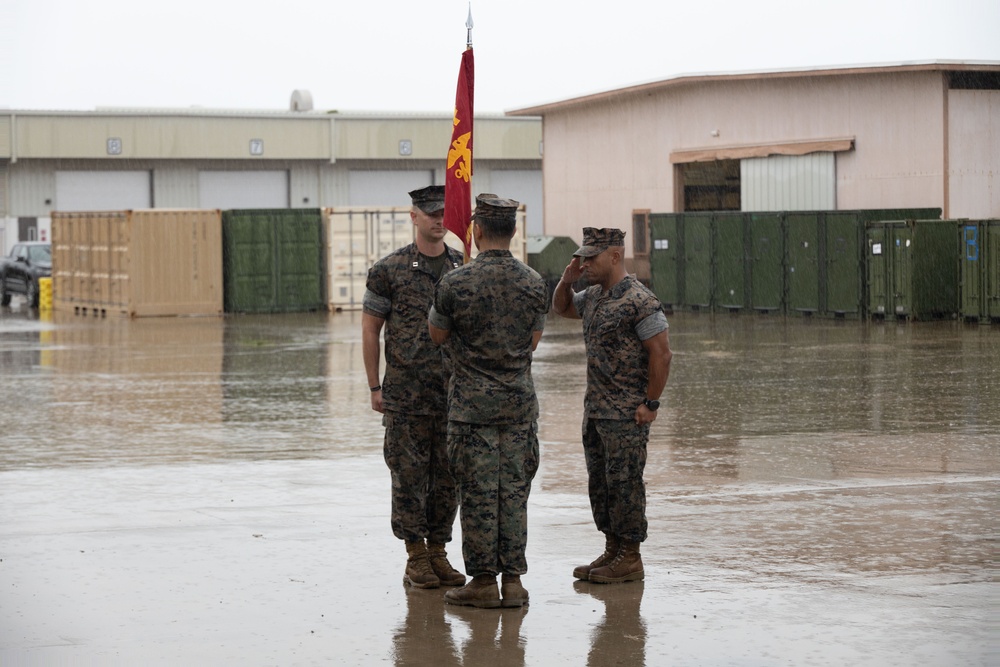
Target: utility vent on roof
302, 100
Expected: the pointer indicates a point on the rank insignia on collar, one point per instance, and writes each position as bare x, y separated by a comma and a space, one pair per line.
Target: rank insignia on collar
416, 265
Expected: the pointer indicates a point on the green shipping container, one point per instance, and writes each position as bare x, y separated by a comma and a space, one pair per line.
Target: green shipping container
730, 257
972, 296
801, 262
273, 260
878, 304
697, 235
992, 267
856, 288
842, 270
912, 269
666, 274
802, 271
826, 258
979, 279
549, 255
767, 253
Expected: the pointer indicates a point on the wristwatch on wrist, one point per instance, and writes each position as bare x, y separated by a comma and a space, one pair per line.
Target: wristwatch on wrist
377, 387
651, 405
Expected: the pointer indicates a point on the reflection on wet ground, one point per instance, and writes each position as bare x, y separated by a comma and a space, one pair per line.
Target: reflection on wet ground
211, 491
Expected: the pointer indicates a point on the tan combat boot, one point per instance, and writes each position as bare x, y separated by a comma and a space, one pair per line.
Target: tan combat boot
481, 592
512, 592
626, 566
419, 573
448, 575
611, 546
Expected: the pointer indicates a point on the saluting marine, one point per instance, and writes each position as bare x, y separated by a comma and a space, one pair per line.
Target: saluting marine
628, 362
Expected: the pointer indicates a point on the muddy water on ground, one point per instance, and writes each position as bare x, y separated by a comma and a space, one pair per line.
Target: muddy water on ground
820, 491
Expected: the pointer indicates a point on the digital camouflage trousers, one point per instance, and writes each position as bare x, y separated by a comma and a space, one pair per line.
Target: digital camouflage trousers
424, 495
493, 466
615, 452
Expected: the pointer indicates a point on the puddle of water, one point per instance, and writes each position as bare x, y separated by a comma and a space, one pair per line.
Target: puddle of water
819, 492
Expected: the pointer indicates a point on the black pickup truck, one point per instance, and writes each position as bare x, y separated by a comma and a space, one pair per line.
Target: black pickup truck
21, 269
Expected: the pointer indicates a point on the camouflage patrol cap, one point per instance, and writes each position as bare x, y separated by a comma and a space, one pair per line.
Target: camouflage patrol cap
491, 208
596, 241
429, 199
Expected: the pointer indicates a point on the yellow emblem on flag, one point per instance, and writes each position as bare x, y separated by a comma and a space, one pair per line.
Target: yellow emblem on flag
460, 153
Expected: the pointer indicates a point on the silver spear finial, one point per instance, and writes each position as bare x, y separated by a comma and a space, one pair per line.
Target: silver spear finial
468, 27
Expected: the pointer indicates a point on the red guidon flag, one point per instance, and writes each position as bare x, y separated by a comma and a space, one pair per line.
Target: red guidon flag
458, 175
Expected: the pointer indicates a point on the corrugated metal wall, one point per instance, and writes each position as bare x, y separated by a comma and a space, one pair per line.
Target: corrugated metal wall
243, 189
380, 187
175, 148
32, 189
3, 190
789, 183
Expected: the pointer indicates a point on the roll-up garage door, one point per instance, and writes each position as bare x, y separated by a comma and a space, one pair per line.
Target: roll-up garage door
229, 190
525, 186
789, 183
383, 188
102, 190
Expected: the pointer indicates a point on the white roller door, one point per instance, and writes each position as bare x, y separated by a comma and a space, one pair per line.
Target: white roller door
525, 186
228, 190
102, 190
383, 188
789, 183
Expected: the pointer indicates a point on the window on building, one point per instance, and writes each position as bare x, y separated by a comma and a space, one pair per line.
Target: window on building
27, 229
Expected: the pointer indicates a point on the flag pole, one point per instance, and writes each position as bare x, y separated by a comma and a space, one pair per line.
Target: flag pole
468, 29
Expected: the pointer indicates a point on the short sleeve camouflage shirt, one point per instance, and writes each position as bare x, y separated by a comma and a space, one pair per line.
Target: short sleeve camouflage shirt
614, 325
492, 306
400, 289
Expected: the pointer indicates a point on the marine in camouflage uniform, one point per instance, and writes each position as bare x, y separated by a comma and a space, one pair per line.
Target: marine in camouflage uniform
489, 315
413, 394
628, 362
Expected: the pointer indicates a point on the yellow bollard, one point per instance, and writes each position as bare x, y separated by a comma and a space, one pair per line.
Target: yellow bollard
44, 294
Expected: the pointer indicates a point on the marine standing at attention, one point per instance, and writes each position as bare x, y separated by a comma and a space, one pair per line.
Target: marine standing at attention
412, 396
489, 316
628, 362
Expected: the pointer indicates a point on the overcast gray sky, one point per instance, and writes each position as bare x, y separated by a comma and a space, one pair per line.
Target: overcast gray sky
404, 54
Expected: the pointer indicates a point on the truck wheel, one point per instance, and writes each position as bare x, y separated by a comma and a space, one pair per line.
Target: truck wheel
31, 293
4, 294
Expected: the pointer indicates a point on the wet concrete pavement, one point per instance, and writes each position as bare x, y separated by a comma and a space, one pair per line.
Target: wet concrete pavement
211, 491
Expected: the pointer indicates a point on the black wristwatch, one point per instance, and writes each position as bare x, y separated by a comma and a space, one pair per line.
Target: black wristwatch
651, 405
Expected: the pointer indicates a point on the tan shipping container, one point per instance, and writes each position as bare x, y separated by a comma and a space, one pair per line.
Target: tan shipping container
357, 237
142, 263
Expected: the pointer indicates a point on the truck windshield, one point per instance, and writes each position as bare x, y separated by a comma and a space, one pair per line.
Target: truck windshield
40, 253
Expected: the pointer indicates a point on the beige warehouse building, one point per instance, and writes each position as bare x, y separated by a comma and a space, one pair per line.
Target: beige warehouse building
865, 137
198, 158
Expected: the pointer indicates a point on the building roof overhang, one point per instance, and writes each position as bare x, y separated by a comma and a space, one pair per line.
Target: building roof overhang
693, 79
